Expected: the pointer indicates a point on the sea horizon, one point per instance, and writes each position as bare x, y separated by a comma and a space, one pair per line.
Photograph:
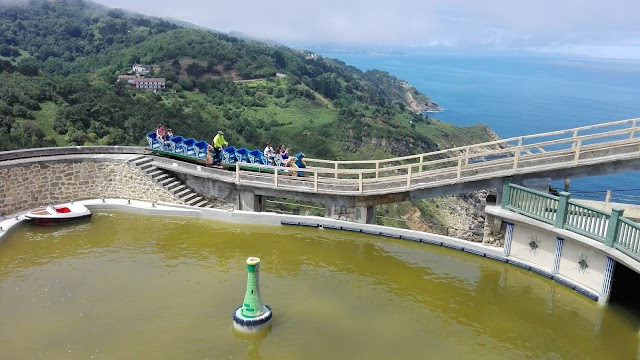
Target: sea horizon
518, 94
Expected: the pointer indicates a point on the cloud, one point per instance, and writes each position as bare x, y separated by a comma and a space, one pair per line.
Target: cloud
481, 23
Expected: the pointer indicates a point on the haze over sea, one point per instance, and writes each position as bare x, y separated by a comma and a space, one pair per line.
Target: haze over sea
522, 94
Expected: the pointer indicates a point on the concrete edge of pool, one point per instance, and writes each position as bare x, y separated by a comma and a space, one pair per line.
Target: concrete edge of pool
10, 222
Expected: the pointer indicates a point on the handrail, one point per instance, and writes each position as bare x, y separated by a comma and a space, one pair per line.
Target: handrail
495, 159
612, 228
451, 169
520, 139
69, 150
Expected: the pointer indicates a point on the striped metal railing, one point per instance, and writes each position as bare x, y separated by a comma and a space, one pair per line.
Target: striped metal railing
609, 228
535, 204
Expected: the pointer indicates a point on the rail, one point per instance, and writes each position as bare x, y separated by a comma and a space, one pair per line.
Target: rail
69, 150
588, 145
609, 228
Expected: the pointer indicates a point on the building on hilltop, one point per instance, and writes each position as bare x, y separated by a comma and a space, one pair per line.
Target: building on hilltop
149, 83
144, 83
141, 69
127, 78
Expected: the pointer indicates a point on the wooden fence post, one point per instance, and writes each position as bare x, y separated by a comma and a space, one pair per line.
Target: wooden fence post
315, 181
516, 156
275, 176
577, 147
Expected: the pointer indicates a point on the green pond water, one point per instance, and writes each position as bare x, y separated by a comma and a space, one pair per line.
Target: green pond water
125, 286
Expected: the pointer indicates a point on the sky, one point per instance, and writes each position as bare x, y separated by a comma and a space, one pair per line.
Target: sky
570, 26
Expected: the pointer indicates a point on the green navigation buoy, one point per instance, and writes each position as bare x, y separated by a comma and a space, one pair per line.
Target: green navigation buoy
252, 314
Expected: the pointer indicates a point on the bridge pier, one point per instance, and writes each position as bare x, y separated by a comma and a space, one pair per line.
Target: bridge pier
359, 214
249, 201
365, 214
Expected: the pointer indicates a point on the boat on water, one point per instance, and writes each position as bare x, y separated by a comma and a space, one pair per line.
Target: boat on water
57, 214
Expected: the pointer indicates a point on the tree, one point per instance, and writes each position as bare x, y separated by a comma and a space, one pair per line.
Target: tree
6, 65
28, 67
195, 69
279, 59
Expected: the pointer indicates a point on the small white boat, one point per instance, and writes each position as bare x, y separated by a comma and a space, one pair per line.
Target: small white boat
57, 214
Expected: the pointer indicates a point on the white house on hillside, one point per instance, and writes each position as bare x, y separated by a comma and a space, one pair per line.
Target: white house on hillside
144, 83
149, 83
141, 69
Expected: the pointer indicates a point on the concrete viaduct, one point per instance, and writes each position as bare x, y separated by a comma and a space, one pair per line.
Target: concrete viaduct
531, 160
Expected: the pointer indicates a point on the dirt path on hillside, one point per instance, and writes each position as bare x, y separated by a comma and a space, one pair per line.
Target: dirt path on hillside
413, 218
413, 105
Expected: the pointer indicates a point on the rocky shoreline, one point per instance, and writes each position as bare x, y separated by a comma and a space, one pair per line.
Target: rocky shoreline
464, 214
469, 212
429, 107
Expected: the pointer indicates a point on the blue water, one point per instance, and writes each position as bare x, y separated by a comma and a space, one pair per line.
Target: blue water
516, 94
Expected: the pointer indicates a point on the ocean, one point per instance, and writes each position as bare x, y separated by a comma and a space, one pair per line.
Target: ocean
522, 94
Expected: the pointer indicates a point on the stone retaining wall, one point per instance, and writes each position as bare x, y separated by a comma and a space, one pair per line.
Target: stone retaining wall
32, 185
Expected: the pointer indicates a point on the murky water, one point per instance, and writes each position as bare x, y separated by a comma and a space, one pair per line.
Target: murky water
124, 286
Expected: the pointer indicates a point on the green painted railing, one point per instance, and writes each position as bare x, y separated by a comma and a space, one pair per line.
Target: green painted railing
610, 228
628, 238
531, 203
587, 221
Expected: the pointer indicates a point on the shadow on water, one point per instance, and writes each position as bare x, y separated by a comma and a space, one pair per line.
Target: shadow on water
252, 340
625, 293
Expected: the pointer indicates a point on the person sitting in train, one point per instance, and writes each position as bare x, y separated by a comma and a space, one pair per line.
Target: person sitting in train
160, 132
210, 155
291, 162
160, 135
269, 153
278, 156
285, 154
168, 135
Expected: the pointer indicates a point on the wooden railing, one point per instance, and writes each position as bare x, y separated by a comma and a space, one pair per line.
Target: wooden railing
610, 228
552, 150
514, 148
588, 145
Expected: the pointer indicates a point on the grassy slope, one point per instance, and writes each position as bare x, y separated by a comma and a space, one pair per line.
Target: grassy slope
45, 118
309, 123
301, 117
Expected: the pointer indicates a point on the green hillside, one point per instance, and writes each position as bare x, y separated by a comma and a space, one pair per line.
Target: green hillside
60, 59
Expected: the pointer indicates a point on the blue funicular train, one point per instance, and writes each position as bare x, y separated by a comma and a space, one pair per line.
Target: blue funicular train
192, 150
